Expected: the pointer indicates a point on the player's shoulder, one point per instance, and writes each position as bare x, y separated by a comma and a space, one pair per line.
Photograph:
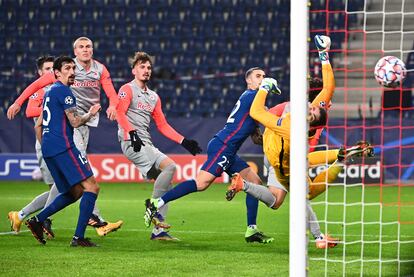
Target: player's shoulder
248, 95
152, 93
98, 65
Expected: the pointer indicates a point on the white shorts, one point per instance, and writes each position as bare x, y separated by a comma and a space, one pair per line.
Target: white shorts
144, 160
272, 180
81, 138
47, 177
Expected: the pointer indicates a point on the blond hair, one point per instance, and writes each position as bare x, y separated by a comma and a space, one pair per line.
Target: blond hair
80, 39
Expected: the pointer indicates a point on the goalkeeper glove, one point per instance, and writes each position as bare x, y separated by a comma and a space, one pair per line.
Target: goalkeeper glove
136, 142
191, 146
323, 43
270, 85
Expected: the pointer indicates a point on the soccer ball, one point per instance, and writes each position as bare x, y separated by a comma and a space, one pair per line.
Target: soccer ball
390, 71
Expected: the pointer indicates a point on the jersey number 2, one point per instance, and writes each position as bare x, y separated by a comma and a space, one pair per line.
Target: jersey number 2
236, 108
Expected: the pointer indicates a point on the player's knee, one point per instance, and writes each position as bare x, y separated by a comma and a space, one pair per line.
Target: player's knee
91, 185
171, 168
202, 185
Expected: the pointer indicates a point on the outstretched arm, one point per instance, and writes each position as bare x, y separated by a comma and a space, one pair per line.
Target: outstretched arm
163, 126
267, 119
323, 43
110, 92
46, 79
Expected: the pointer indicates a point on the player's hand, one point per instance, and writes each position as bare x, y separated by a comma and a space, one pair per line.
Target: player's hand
323, 43
136, 142
111, 112
191, 146
270, 85
95, 109
13, 110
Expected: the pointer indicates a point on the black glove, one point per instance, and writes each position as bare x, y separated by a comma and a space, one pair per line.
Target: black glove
136, 142
191, 146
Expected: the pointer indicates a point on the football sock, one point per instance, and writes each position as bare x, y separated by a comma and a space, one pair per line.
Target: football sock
163, 184
321, 181
61, 201
179, 191
260, 192
53, 192
313, 221
97, 212
252, 205
37, 203
85, 211
322, 157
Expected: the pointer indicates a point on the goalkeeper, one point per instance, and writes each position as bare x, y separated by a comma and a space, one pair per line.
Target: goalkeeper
277, 136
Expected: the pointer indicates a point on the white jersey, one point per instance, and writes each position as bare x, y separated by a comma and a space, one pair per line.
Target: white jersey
140, 110
87, 88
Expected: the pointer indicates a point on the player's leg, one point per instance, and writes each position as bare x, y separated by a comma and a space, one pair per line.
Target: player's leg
322, 157
102, 227
90, 193
162, 184
65, 198
16, 217
322, 241
253, 234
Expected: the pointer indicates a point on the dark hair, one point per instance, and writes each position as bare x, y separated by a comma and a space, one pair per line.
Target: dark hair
140, 57
59, 61
250, 70
42, 60
315, 86
321, 121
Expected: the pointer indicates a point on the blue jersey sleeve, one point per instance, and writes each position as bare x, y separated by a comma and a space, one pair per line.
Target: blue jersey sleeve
66, 98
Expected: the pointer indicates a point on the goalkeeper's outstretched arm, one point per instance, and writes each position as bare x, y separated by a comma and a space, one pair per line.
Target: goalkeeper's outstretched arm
323, 43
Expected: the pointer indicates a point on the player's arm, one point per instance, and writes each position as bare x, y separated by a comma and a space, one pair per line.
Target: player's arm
257, 136
46, 79
38, 127
323, 43
110, 92
314, 140
165, 128
267, 119
34, 106
77, 120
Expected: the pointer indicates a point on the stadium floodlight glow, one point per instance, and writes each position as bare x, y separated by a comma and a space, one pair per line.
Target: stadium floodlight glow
299, 127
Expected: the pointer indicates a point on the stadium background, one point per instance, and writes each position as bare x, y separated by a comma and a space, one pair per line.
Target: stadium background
202, 49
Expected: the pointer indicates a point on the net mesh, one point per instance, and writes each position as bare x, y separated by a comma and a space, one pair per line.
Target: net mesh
370, 207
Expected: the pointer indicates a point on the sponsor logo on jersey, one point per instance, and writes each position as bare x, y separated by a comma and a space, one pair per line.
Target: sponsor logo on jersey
144, 106
86, 84
68, 100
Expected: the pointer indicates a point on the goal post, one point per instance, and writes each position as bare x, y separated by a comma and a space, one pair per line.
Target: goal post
298, 139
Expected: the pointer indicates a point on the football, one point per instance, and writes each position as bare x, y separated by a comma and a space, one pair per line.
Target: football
390, 71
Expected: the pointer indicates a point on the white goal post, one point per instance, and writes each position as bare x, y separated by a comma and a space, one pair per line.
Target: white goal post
298, 137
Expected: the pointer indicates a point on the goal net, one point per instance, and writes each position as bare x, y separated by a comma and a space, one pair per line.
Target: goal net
370, 207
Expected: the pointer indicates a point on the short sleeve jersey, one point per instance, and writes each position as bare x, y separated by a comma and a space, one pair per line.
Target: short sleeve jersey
57, 131
239, 125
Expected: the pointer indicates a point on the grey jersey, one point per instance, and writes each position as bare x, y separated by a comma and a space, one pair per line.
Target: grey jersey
140, 109
87, 88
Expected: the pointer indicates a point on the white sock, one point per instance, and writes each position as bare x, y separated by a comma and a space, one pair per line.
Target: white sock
160, 203
21, 215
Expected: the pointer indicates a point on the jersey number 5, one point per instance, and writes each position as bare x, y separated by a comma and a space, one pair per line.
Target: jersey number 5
46, 113
233, 112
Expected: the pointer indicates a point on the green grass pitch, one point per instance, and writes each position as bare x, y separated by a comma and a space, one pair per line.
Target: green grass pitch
212, 237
